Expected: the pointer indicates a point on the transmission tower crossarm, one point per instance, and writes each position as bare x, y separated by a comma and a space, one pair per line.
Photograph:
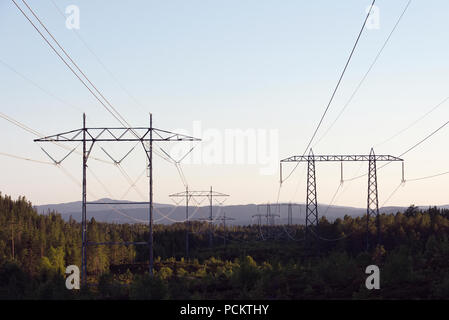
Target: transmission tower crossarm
114, 134
117, 203
340, 158
193, 193
225, 218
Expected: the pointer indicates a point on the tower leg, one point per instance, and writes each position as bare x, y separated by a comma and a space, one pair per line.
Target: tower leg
373, 200
210, 220
84, 211
289, 218
187, 222
150, 180
311, 200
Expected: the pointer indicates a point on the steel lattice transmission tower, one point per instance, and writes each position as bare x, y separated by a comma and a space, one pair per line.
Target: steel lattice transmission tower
116, 134
188, 194
224, 218
373, 200
290, 207
269, 215
259, 218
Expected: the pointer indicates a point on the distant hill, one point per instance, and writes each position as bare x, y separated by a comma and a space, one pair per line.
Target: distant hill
73, 207
167, 213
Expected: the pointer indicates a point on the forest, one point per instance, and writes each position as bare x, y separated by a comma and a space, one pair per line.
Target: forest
244, 262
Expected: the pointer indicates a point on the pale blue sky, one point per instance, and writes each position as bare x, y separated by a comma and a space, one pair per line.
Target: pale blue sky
232, 64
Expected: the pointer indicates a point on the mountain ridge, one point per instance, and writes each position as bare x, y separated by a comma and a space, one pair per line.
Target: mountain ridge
168, 213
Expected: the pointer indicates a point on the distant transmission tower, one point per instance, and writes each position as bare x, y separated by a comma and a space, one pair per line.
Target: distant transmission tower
188, 194
259, 218
224, 219
269, 216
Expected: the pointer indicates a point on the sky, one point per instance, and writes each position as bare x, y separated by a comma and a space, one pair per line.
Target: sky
251, 78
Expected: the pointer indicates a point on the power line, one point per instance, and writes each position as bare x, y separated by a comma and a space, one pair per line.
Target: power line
392, 194
415, 122
76, 66
167, 216
424, 139
101, 183
58, 164
429, 177
20, 125
335, 239
40, 135
333, 198
409, 149
116, 114
341, 77
93, 195
366, 74
117, 117
290, 236
134, 183
30, 130
336, 87
130, 182
345, 186
79, 69
38, 86
24, 158
362, 81
122, 170
108, 71
36, 133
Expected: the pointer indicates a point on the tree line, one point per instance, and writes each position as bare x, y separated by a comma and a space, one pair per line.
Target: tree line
257, 262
